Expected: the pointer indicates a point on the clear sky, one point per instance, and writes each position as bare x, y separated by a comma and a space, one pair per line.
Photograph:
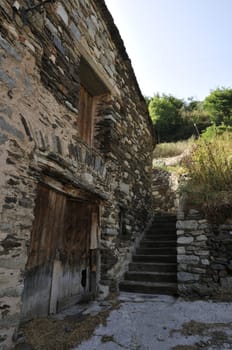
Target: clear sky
179, 47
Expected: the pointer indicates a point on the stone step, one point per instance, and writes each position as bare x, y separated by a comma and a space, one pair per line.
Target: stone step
154, 258
145, 243
160, 237
156, 251
148, 287
164, 218
161, 231
151, 276
164, 224
162, 227
153, 267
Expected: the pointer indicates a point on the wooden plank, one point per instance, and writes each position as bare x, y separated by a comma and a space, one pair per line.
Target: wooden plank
76, 236
39, 226
61, 224
86, 115
36, 294
94, 231
47, 226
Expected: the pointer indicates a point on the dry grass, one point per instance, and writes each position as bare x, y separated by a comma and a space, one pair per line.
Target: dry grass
210, 164
213, 334
209, 168
54, 334
172, 149
107, 338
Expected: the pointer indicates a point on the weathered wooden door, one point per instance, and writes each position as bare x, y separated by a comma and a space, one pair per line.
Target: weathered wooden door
59, 262
72, 262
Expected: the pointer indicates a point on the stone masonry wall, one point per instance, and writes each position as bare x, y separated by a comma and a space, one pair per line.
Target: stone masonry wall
164, 191
40, 52
204, 255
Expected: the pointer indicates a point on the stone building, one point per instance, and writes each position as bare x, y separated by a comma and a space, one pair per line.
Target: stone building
76, 145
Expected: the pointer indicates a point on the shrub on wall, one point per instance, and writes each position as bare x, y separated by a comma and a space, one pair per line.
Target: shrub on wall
209, 169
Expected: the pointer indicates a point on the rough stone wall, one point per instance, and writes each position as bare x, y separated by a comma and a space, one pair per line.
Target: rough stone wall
204, 255
164, 191
40, 53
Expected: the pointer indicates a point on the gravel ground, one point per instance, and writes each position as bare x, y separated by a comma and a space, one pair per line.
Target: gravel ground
148, 322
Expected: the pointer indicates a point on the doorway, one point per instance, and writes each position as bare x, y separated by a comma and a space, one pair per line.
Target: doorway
60, 266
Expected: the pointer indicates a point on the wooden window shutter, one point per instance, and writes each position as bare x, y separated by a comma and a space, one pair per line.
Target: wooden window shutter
86, 115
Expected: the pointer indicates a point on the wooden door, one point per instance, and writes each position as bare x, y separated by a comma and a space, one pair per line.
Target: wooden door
71, 272
58, 267
46, 230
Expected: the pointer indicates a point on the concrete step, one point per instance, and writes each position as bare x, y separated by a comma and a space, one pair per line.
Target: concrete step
145, 243
154, 258
151, 277
153, 267
156, 251
148, 287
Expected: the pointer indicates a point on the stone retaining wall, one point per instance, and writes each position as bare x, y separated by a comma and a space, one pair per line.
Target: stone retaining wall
164, 191
204, 255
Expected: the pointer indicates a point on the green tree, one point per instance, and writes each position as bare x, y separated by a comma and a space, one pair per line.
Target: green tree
194, 116
165, 112
219, 106
147, 99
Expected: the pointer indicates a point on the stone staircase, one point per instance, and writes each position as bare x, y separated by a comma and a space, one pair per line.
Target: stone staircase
154, 265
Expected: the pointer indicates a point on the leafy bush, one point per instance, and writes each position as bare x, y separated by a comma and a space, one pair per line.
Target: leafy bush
209, 170
213, 131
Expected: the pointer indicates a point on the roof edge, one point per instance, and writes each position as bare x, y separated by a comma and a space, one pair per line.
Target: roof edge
117, 39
